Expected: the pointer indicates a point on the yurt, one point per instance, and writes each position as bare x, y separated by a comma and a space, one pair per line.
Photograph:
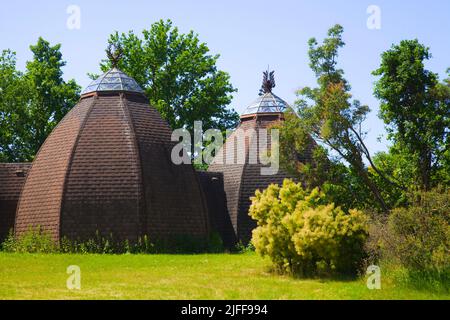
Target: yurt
106, 169
242, 179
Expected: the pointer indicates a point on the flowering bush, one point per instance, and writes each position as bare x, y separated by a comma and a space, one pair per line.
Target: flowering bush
305, 235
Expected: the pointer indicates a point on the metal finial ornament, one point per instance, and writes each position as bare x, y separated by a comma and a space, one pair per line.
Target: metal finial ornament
268, 82
114, 53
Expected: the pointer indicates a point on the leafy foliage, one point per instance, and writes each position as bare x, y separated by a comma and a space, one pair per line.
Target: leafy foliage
37, 240
179, 76
397, 164
423, 231
32, 103
304, 234
14, 91
416, 110
418, 237
242, 248
312, 164
328, 114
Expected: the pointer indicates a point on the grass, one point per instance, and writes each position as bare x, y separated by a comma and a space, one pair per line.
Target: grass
204, 276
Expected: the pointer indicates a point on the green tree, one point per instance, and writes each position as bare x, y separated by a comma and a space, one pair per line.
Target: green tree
32, 103
179, 75
312, 164
13, 101
332, 118
415, 107
398, 166
51, 97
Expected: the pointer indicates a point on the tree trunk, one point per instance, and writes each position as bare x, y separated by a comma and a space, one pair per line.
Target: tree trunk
425, 169
373, 188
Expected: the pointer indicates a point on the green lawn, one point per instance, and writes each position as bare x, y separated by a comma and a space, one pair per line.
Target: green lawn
206, 276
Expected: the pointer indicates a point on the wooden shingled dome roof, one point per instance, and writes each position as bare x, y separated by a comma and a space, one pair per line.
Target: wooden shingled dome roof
241, 180
107, 168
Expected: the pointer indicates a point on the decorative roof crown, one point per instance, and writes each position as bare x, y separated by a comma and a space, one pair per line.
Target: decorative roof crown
268, 82
114, 55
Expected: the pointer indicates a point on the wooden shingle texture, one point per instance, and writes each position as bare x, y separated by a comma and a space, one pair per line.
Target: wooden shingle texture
241, 180
107, 168
12, 178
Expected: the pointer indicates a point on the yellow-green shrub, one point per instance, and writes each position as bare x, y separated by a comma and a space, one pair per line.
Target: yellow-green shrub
303, 234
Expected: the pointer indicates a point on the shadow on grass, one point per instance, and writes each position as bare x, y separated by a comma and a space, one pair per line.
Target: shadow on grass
325, 278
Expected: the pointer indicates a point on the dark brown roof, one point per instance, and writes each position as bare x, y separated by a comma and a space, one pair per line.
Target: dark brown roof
12, 178
106, 167
213, 188
242, 180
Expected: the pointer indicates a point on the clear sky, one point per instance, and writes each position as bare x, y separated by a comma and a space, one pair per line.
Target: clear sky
249, 35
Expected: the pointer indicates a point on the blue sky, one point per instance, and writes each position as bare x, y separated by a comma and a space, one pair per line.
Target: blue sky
249, 35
